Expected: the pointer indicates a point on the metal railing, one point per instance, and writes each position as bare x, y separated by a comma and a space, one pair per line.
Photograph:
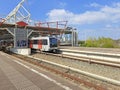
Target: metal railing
56, 24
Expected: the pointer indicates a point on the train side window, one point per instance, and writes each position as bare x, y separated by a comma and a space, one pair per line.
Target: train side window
44, 42
35, 41
39, 41
30, 41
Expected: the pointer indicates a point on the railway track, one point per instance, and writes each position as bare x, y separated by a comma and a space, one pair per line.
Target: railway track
86, 58
92, 49
60, 71
102, 69
71, 70
73, 73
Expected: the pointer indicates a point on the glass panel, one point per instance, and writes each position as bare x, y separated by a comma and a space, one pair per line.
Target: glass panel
53, 42
35, 41
44, 42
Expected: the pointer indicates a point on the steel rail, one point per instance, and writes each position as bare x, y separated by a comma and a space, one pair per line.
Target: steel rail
112, 81
86, 59
103, 57
64, 74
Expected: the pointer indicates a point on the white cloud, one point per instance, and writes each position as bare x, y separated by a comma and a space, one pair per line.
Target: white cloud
108, 26
95, 5
104, 14
59, 14
116, 4
30, 3
62, 4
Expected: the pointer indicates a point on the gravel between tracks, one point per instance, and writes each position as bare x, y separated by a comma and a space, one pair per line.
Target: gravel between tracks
110, 72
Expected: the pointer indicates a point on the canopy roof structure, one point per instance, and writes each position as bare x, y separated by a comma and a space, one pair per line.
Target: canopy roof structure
19, 18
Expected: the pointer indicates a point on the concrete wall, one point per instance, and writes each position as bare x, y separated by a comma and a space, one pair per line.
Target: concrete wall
22, 51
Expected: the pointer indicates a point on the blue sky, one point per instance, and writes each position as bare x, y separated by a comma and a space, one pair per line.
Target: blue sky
92, 18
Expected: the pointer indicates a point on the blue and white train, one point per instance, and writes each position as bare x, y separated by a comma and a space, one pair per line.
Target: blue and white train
44, 43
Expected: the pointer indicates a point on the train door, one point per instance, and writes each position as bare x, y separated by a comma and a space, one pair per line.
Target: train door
31, 43
35, 44
39, 44
45, 45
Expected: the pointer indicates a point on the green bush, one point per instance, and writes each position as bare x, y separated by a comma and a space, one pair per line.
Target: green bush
100, 42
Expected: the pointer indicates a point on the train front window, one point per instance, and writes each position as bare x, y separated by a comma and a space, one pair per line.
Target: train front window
53, 42
35, 41
44, 42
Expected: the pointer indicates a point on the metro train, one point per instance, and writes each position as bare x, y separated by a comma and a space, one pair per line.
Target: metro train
44, 43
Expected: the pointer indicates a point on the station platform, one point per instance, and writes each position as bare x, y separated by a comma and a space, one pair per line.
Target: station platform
16, 74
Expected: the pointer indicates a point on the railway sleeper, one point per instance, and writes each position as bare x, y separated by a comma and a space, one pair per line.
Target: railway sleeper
63, 73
